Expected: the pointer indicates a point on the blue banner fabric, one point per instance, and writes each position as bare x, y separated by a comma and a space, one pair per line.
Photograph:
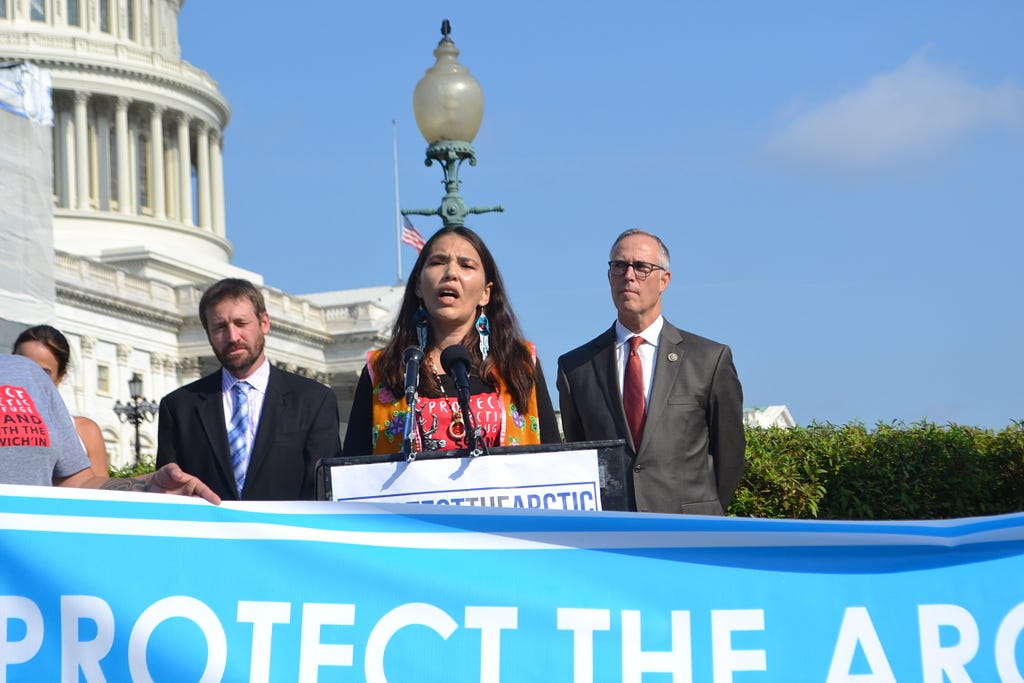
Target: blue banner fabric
115, 586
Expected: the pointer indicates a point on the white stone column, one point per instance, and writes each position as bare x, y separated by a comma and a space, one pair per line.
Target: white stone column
188, 369
119, 381
157, 363
88, 346
117, 18
81, 150
203, 173
87, 373
124, 166
154, 26
124, 352
171, 179
217, 172
184, 171
156, 160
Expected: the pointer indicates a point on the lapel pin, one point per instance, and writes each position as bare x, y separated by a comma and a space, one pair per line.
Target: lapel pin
673, 357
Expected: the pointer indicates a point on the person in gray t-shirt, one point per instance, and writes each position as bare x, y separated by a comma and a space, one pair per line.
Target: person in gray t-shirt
39, 445
38, 441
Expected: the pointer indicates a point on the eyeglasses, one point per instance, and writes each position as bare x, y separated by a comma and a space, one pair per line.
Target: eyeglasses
641, 268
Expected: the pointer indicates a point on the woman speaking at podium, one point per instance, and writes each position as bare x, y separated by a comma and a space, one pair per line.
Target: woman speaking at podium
455, 297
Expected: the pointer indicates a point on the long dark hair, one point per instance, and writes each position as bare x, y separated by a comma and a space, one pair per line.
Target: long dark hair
508, 358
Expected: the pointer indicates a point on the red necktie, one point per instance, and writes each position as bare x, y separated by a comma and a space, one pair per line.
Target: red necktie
633, 400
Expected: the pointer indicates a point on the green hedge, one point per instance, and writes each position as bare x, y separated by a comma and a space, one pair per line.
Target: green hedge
896, 471
144, 466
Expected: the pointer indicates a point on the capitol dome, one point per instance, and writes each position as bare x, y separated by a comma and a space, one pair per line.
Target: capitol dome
137, 221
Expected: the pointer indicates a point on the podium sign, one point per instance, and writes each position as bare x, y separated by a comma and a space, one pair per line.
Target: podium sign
584, 476
554, 481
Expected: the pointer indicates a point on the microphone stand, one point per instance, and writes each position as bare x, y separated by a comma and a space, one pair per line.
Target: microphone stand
474, 433
475, 441
412, 356
409, 439
456, 362
479, 443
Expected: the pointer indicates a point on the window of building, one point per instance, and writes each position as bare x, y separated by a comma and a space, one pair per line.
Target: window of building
60, 161
63, 151
105, 16
142, 174
3, 9
129, 6
74, 19
37, 10
194, 183
56, 162
113, 156
103, 378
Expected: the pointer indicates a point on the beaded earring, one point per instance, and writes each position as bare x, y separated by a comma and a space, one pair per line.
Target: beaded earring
483, 328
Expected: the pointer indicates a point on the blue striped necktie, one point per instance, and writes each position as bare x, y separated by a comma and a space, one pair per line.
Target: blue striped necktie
238, 432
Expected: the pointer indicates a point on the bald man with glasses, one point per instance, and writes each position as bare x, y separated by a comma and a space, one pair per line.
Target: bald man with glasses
673, 396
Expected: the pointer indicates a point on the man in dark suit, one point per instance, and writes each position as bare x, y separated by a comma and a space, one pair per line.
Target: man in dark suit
682, 416
279, 423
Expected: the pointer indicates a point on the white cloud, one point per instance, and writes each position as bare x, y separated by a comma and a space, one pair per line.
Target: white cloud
910, 113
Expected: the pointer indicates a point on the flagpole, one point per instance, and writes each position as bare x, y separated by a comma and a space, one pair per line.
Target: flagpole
398, 211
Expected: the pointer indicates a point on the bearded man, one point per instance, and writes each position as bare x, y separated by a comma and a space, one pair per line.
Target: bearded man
251, 431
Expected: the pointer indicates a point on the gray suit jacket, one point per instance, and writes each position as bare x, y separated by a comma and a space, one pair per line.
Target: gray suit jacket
691, 457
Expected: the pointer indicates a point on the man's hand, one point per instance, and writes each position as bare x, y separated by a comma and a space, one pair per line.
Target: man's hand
171, 479
168, 479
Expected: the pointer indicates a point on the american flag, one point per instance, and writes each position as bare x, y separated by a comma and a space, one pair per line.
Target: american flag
411, 235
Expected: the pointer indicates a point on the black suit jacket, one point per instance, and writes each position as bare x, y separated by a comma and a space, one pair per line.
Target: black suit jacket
298, 426
691, 457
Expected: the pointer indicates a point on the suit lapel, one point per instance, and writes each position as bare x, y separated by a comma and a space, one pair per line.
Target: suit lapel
210, 407
666, 368
606, 371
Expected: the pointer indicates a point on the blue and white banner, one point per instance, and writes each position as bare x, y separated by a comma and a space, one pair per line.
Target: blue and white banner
132, 587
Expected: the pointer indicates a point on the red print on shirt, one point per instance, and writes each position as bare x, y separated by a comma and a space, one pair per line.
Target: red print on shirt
20, 422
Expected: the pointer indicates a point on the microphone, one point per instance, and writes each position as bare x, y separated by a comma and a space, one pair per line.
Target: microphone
412, 356
456, 361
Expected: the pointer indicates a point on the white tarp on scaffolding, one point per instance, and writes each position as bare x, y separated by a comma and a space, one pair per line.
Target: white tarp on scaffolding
25, 91
26, 197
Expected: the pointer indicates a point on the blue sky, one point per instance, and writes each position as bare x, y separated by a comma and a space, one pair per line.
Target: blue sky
840, 183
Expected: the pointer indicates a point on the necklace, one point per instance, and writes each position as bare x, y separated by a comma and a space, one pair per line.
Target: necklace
457, 427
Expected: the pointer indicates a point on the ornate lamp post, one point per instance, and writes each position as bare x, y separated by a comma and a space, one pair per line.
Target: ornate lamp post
449, 105
138, 411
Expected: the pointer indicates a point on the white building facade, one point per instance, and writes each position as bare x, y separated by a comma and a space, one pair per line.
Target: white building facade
138, 219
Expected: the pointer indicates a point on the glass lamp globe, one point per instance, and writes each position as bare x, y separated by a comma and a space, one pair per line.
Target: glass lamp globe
135, 386
448, 102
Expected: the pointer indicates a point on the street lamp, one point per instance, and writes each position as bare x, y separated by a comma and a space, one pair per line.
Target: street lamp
449, 105
138, 411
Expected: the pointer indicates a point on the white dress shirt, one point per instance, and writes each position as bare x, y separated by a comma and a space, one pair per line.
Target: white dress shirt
648, 351
258, 382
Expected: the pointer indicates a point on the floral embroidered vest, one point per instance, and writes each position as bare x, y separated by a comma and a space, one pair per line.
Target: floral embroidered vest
506, 426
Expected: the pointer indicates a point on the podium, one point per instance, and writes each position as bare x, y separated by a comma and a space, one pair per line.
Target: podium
595, 470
